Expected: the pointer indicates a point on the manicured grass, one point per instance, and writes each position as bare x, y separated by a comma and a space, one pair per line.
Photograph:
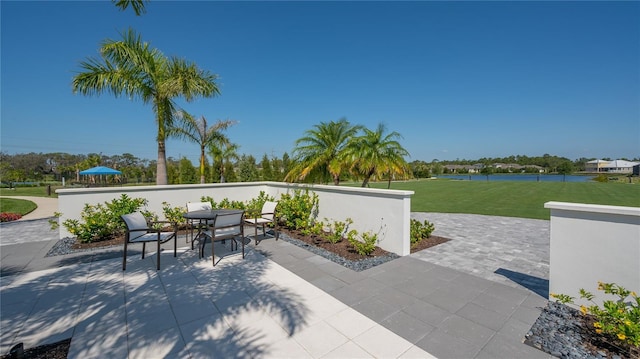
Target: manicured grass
511, 199
498, 198
40, 191
13, 205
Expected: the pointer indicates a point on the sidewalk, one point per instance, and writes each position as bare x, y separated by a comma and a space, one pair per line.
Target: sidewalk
47, 207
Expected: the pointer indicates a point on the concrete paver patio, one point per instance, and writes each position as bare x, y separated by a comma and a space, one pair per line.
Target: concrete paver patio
189, 309
449, 301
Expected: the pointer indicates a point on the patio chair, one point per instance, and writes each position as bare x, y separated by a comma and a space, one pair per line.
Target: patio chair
196, 224
225, 226
142, 230
266, 216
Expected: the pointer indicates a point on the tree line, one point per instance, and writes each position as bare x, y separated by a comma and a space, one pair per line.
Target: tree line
529, 164
234, 167
329, 153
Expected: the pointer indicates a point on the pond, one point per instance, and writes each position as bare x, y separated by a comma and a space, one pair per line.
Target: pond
522, 177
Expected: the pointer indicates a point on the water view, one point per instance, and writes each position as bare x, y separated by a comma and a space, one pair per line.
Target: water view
522, 177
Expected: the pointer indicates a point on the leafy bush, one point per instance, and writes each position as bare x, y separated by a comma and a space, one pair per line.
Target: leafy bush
297, 210
175, 214
316, 229
601, 178
366, 246
337, 230
8, 217
210, 200
225, 203
619, 319
419, 231
102, 221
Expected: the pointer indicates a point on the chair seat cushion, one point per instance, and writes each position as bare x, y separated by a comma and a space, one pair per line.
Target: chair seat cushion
225, 232
152, 237
257, 220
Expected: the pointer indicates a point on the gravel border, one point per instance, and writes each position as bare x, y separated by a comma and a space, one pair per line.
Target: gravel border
560, 331
65, 246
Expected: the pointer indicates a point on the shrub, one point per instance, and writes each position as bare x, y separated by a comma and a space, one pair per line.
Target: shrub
315, 229
618, 318
210, 200
174, 214
337, 230
297, 210
601, 178
103, 221
419, 231
8, 217
366, 246
225, 203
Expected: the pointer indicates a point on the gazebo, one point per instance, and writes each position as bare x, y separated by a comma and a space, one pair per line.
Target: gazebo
100, 174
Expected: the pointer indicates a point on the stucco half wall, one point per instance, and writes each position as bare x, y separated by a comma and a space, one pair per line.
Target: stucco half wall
593, 243
384, 212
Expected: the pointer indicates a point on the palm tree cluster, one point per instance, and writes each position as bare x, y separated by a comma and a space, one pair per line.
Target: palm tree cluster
132, 68
329, 149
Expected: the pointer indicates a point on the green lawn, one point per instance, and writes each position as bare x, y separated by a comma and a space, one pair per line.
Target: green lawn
40, 191
511, 199
12, 205
498, 198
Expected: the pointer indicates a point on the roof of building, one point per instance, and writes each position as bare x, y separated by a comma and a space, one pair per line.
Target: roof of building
621, 164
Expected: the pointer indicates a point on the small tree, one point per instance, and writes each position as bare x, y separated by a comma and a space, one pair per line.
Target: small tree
565, 168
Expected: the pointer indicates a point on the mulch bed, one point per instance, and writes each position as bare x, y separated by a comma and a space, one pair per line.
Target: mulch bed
345, 250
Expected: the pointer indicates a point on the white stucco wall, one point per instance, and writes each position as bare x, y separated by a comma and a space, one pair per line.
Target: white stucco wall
385, 212
591, 243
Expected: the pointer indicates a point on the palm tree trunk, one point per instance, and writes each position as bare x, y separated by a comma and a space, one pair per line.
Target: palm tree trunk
202, 181
367, 177
161, 175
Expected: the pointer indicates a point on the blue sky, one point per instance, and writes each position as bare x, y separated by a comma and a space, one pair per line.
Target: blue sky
458, 80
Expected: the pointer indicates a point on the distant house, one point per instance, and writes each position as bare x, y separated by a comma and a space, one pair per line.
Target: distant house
595, 166
464, 168
616, 166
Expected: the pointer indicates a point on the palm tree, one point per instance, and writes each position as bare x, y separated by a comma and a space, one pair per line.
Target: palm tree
320, 154
196, 131
222, 154
138, 6
374, 154
130, 67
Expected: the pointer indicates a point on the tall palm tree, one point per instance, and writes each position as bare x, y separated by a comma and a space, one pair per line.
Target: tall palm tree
375, 153
130, 67
320, 153
223, 153
138, 6
196, 131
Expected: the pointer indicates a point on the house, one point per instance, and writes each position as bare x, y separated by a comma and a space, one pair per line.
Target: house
616, 166
595, 166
